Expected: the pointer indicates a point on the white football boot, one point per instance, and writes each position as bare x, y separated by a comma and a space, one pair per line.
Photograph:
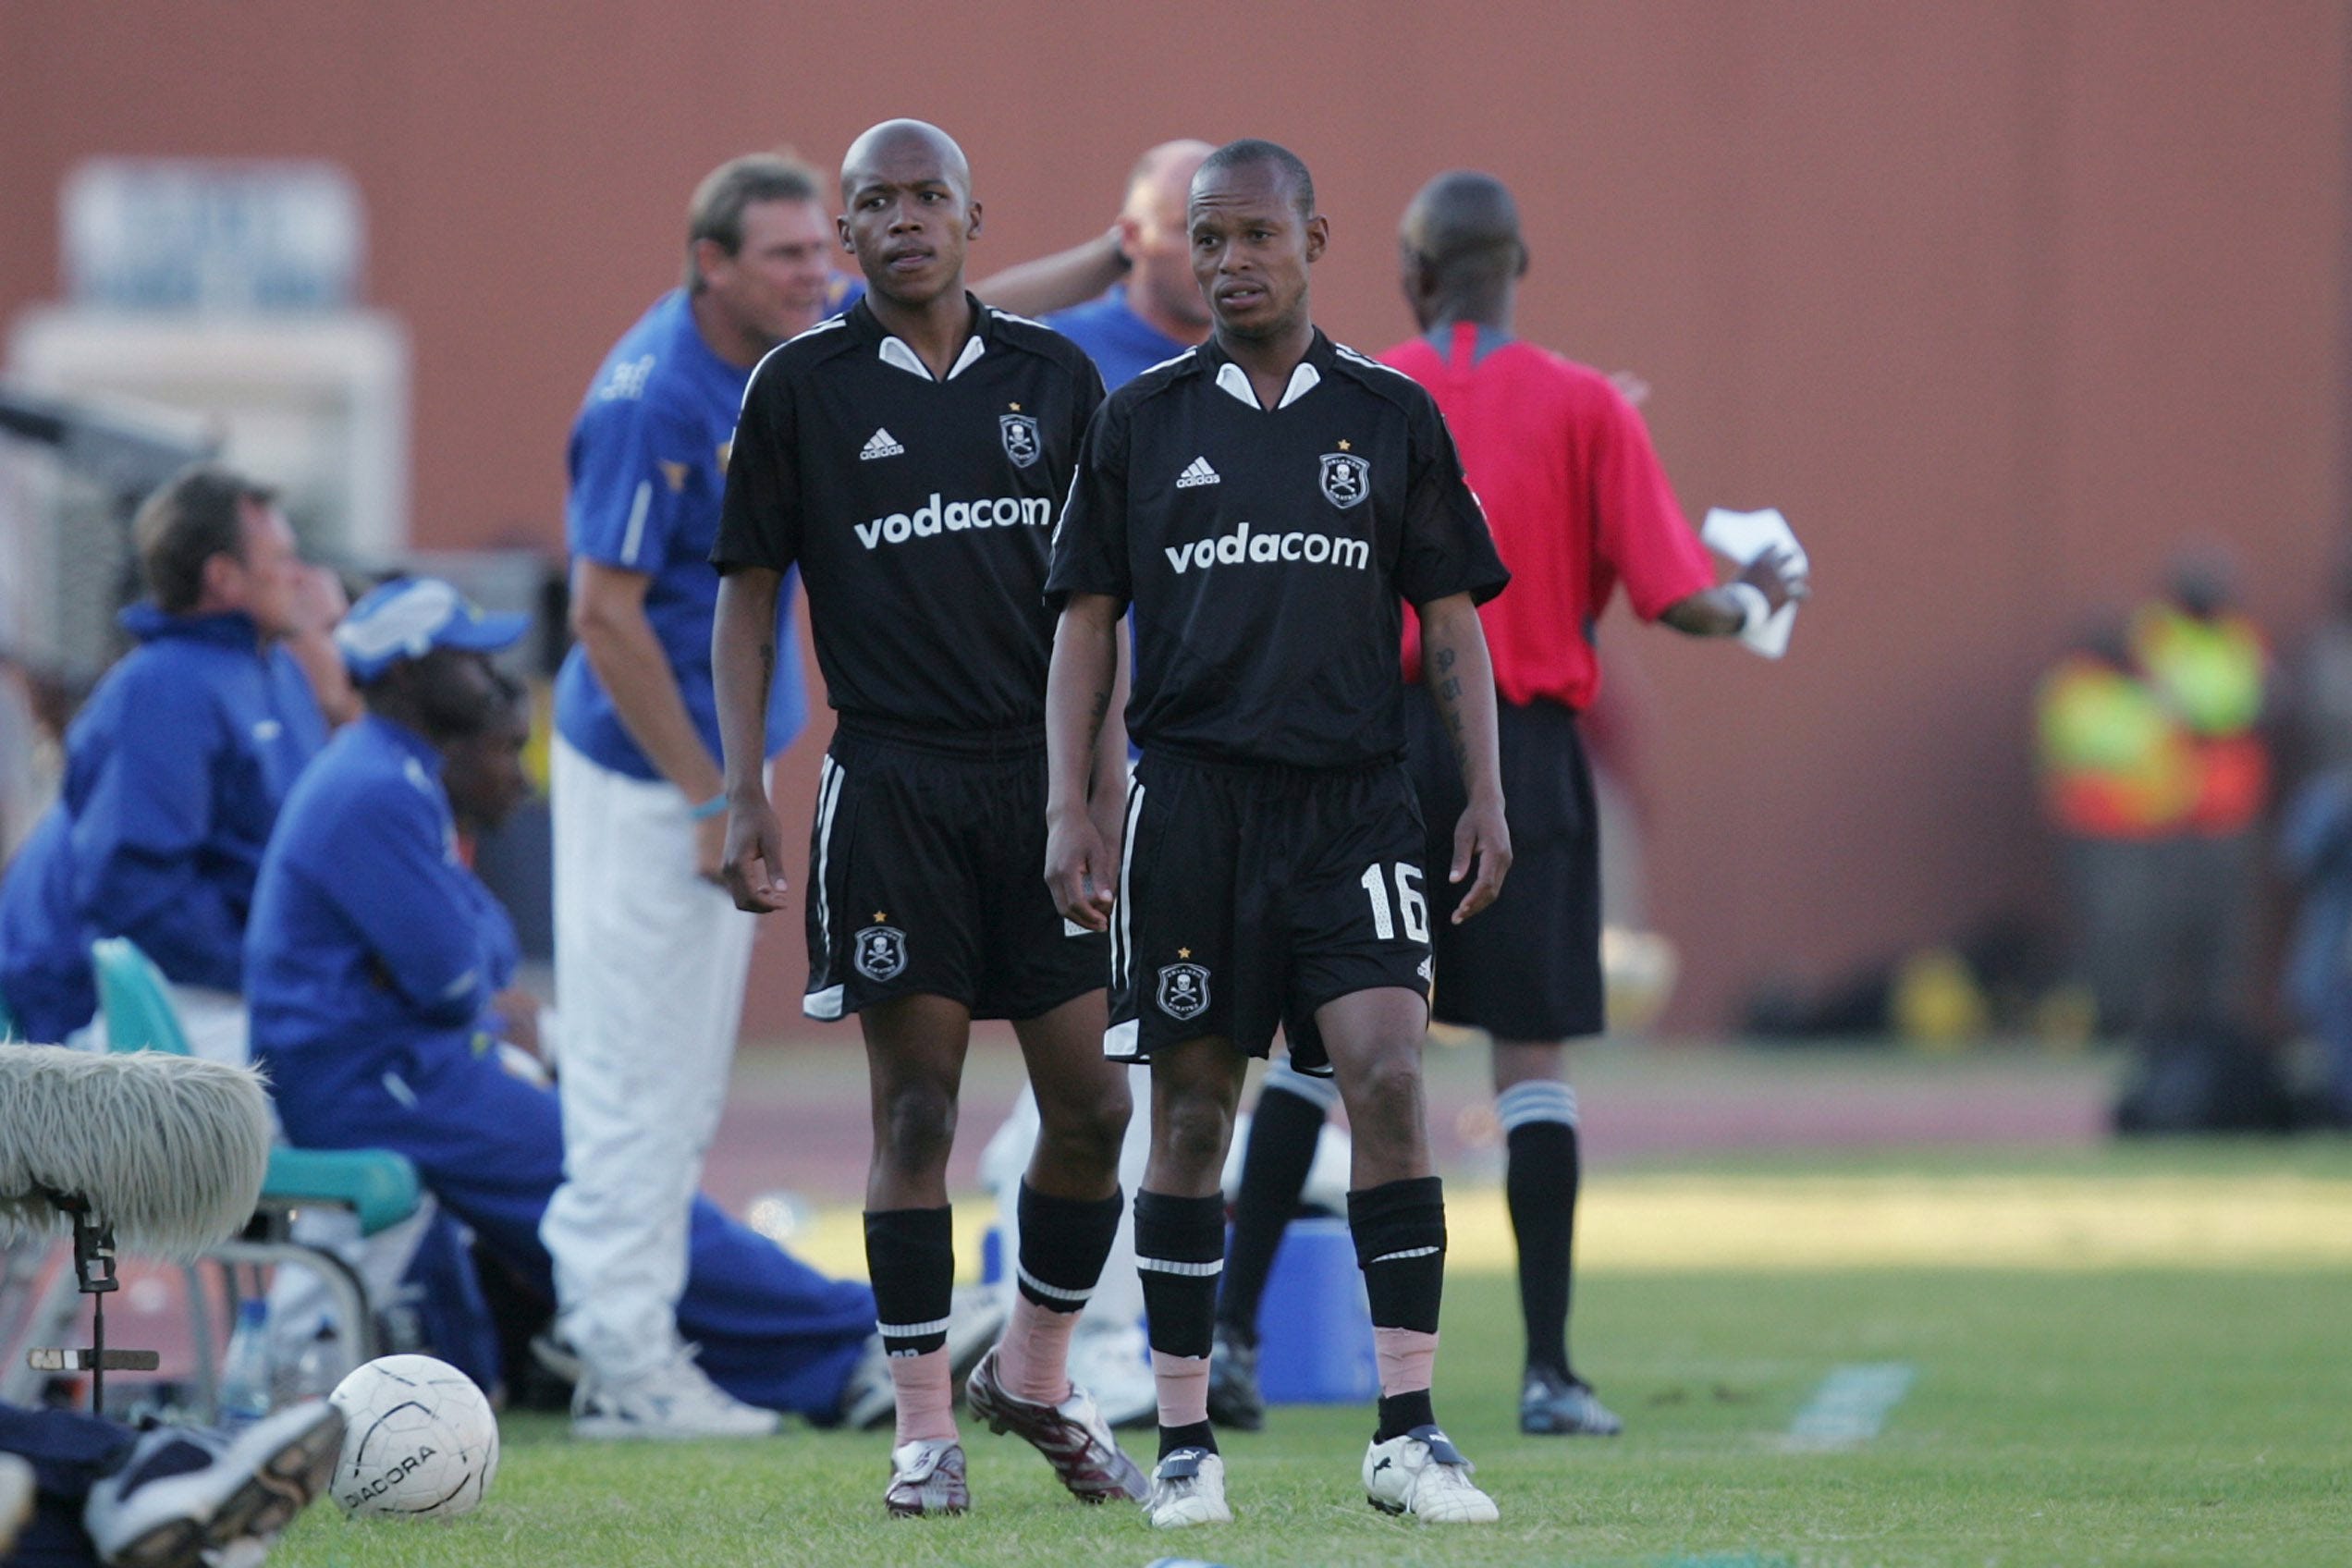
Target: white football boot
1187, 1489
1424, 1475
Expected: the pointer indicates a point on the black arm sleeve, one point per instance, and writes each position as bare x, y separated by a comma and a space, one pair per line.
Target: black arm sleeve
1090, 544
759, 523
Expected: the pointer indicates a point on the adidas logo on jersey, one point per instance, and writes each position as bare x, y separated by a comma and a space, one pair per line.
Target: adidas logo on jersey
955, 517
1243, 546
882, 444
1197, 473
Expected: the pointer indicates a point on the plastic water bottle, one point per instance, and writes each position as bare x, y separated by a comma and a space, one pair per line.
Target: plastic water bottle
245, 1370
317, 1369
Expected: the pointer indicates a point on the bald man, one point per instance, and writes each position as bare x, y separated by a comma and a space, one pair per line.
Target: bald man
1157, 312
910, 458
1578, 503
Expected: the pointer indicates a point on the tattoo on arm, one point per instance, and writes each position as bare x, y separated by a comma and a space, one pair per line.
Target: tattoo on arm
1447, 691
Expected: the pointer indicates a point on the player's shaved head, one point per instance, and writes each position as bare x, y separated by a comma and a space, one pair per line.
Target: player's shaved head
1250, 153
1464, 227
895, 142
1162, 178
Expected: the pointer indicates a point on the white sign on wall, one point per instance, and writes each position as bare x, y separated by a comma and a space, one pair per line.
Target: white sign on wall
212, 235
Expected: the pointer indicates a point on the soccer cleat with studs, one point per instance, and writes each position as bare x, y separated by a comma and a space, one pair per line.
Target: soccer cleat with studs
1550, 1405
1235, 1401
1187, 1489
926, 1477
1424, 1475
182, 1496
1072, 1436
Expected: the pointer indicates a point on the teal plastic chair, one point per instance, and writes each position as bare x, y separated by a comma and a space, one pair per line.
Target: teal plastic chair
377, 1186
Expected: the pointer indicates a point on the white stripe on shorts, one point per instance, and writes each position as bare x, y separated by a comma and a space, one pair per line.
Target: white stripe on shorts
910, 1330
829, 797
1122, 956
1190, 1271
1409, 1252
1118, 1040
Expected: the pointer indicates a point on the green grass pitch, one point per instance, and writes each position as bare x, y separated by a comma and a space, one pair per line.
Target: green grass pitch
2167, 1414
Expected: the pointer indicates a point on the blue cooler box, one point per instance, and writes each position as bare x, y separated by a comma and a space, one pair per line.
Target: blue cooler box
1314, 1327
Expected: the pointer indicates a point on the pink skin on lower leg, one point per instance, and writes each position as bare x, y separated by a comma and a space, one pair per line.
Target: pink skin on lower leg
1033, 1359
1408, 1360
1183, 1387
926, 1397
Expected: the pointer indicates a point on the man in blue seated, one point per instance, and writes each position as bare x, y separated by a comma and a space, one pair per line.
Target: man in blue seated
175, 770
373, 961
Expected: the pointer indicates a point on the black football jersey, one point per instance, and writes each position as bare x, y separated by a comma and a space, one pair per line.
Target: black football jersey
920, 512
1267, 553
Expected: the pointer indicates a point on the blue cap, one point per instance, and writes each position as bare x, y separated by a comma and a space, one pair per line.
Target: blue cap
409, 618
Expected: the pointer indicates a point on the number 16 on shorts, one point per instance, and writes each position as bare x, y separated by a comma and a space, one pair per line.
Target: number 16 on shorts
1408, 905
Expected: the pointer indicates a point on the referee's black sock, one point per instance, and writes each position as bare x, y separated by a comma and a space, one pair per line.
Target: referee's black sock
1539, 1122
1290, 1109
1180, 1248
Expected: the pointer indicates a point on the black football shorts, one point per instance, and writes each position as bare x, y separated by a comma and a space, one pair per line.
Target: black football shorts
1527, 967
1250, 896
926, 875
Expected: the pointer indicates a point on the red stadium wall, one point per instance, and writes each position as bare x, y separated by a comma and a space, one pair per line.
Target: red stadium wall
1999, 302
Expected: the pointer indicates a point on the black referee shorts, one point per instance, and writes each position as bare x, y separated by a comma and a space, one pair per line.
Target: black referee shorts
1249, 896
1526, 967
926, 875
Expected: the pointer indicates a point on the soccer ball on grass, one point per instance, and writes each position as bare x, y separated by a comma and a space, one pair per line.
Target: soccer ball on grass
419, 1440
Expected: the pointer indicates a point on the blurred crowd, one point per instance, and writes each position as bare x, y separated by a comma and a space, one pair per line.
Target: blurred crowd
2198, 786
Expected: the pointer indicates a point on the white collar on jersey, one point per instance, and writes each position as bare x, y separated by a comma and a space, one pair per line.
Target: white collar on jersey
896, 352
1234, 379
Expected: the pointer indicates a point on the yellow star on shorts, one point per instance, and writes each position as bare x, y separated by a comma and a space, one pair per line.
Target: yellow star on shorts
1183, 952
878, 915
1344, 446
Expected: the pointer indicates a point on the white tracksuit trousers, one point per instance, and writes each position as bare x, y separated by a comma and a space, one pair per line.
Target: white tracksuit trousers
650, 966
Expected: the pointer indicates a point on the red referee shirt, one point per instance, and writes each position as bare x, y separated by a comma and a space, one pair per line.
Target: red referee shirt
1576, 498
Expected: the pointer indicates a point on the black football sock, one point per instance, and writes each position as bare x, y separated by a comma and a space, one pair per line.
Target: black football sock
1540, 1121
1399, 1229
1063, 1242
911, 1254
1290, 1109
1180, 1248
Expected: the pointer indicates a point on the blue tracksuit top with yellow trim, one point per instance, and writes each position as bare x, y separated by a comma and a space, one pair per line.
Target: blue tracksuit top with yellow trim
175, 772
369, 934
